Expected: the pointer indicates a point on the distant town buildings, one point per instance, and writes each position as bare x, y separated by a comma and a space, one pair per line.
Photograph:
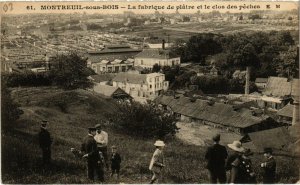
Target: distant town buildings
141, 86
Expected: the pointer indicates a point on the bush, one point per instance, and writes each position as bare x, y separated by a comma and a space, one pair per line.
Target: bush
27, 79
146, 120
9, 109
70, 71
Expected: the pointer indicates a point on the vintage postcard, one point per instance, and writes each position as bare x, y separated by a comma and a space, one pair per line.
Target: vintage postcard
135, 92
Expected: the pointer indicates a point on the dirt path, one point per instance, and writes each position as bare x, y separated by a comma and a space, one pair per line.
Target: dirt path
200, 135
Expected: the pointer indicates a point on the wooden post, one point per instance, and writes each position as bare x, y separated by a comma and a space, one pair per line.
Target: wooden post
247, 80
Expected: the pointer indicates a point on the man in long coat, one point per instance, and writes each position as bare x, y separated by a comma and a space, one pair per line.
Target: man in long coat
90, 151
216, 156
45, 142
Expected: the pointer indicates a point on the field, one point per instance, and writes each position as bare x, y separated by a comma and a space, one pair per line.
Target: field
185, 31
69, 114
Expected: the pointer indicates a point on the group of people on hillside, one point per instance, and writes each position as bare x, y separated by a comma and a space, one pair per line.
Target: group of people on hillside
238, 164
94, 149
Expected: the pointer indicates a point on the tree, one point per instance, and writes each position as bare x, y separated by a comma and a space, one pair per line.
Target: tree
156, 68
200, 46
254, 16
288, 62
186, 19
144, 120
70, 71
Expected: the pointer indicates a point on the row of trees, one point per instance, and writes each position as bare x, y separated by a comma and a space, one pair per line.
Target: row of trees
68, 71
273, 53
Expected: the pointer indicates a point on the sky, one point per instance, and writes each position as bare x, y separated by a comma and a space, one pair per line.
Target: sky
166, 7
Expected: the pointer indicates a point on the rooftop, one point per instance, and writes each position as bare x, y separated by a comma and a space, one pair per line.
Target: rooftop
276, 138
131, 78
261, 80
156, 53
219, 113
277, 86
286, 111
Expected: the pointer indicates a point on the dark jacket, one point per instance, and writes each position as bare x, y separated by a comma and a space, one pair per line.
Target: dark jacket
45, 140
241, 171
216, 156
89, 146
115, 160
269, 171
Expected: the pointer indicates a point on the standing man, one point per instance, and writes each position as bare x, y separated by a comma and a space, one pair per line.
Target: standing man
45, 142
216, 156
269, 167
101, 138
89, 149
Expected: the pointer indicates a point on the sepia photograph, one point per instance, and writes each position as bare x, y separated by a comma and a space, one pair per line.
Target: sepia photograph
192, 92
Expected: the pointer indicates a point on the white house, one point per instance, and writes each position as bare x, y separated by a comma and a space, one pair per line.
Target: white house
141, 86
161, 56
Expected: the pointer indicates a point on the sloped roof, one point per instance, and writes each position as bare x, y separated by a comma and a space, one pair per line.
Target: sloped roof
277, 86
109, 91
276, 138
219, 113
286, 111
106, 90
155, 53
131, 78
261, 80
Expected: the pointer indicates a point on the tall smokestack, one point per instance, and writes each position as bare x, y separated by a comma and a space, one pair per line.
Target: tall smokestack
163, 44
295, 113
247, 80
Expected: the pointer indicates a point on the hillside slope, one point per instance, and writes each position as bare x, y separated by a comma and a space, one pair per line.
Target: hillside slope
69, 114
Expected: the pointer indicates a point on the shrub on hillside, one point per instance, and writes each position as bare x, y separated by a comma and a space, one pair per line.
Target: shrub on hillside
27, 79
146, 120
9, 109
70, 71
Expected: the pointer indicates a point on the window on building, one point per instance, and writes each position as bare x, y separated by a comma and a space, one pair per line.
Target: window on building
150, 86
142, 62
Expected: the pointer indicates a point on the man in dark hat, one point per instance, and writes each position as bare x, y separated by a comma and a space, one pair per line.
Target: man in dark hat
90, 151
216, 156
45, 142
269, 167
101, 138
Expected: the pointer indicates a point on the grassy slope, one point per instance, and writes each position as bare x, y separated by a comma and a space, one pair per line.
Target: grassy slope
21, 161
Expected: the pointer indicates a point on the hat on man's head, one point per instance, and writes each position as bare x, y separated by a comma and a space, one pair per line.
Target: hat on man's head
216, 137
268, 150
236, 146
159, 143
98, 125
114, 147
92, 129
